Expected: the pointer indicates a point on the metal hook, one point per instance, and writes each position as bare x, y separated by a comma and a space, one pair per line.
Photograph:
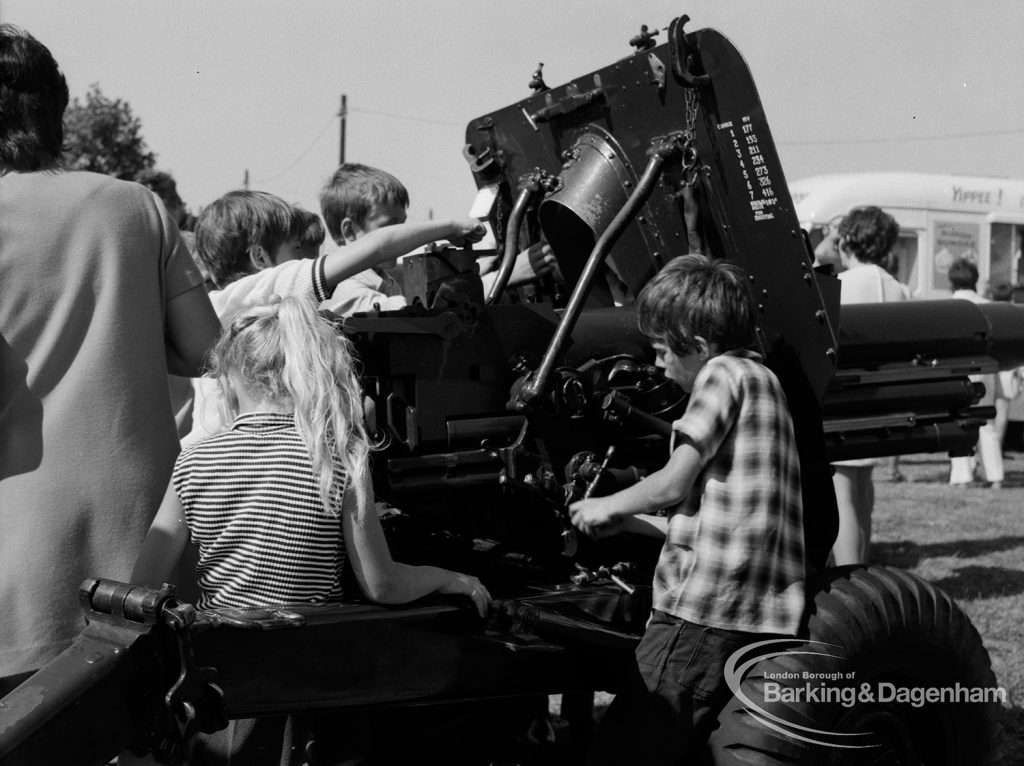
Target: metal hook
682, 56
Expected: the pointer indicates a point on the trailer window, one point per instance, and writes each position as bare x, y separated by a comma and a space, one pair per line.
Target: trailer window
1004, 258
952, 240
905, 260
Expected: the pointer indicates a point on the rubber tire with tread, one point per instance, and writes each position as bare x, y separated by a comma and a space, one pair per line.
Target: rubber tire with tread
885, 625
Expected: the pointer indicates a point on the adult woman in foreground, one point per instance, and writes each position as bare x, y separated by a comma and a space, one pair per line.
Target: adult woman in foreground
100, 301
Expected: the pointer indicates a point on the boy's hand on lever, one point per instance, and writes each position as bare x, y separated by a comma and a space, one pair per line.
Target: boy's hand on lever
466, 585
595, 517
466, 231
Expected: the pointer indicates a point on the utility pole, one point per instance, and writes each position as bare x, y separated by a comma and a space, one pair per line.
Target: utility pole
245, 180
343, 114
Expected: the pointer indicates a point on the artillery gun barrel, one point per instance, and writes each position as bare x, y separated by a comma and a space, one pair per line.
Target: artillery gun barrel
874, 333
906, 379
903, 381
871, 335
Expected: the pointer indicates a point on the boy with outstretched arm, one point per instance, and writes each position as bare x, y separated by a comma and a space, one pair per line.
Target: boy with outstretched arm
731, 571
252, 244
358, 200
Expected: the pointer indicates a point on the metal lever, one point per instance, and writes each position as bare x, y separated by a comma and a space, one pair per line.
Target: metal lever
569, 537
530, 185
508, 259
194, 702
592, 484
586, 576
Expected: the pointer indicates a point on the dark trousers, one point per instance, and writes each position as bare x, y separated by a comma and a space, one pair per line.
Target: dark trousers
670, 705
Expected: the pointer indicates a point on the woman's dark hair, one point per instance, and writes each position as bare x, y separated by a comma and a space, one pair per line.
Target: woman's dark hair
868, 233
33, 97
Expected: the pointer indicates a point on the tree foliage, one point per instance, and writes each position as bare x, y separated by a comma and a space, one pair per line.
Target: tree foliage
104, 136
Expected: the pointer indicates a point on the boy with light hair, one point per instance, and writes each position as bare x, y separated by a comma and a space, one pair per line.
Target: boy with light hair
359, 199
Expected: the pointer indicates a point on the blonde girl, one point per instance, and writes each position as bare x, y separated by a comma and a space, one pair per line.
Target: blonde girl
278, 502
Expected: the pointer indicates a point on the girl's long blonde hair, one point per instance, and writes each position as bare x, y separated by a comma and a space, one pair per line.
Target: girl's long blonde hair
286, 352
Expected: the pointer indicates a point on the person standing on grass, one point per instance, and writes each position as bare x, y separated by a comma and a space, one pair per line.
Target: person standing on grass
866, 237
963, 278
1008, 382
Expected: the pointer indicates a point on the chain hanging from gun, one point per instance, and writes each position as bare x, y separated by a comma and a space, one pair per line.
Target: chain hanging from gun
691, 169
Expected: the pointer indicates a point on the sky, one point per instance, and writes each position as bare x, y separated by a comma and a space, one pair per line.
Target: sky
229, 87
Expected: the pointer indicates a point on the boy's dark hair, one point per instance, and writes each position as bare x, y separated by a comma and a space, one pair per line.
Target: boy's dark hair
868, 233
313, 233
963, 275
353, 191
229, 226
33, 97
697, 295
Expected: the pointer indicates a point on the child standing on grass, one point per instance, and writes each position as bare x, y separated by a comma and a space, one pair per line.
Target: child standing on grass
732, 570
278, 503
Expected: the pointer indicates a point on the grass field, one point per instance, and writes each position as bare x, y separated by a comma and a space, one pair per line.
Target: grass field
970, 543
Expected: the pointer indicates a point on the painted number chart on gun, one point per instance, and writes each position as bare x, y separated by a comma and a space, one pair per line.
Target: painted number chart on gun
756, 176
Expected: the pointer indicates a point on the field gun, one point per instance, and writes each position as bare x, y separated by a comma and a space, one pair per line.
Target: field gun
499, 410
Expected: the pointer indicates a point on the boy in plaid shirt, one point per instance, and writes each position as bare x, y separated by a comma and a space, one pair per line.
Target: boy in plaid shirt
731, 571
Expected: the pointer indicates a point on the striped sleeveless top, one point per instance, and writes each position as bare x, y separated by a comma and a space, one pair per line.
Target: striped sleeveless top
253, 508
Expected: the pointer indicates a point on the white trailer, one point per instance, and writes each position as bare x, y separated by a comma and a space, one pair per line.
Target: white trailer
941, 217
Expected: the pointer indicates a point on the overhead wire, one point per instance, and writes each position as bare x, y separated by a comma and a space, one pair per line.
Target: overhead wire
808, 142
306, 151
902, 139
409, 117
331, 120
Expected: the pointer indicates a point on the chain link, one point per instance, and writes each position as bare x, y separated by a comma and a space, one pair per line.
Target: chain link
691, 160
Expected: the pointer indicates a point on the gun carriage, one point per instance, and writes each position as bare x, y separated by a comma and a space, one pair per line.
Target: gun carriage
500, 409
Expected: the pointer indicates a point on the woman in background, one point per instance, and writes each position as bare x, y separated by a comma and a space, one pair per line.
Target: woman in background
866, 238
